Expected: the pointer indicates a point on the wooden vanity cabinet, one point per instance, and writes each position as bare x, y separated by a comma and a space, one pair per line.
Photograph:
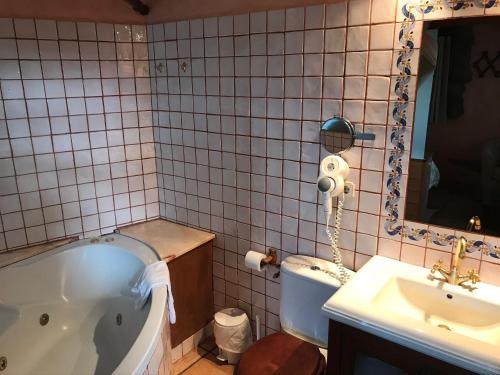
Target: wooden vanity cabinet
346, 344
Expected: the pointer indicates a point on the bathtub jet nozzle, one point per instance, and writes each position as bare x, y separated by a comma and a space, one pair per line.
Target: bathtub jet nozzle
44, 319
3, 363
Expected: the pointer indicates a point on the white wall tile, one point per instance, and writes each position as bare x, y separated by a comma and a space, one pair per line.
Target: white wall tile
336, 15
8, 49
355, 87
68, 29
381, 36
258, 22
383, 11
335, 40
7, 28
295, 19
358, 12
315, 16
25, 28
46, 29
357, 38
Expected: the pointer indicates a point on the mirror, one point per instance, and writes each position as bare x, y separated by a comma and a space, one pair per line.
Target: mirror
337, 135
454, 171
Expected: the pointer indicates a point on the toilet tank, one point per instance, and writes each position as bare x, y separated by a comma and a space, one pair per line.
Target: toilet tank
306, 284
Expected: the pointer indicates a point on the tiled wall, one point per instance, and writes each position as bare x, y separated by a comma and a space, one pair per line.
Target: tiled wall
76, 136
238, 143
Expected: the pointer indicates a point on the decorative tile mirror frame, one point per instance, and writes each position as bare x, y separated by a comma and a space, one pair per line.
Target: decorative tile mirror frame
411, 11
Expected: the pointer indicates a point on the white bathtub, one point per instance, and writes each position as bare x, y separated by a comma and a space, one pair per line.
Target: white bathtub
93, 328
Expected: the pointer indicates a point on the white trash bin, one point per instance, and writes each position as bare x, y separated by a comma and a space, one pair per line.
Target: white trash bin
233, 334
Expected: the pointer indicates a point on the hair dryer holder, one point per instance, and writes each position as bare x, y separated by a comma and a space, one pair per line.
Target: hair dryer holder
333, 171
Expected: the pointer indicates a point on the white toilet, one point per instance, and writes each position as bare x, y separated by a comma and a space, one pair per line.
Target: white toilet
306, 284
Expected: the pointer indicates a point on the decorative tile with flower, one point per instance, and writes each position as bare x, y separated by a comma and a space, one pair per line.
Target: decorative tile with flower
411, 11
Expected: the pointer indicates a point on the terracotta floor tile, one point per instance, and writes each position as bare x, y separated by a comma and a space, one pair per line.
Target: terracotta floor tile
209, 366
187, 360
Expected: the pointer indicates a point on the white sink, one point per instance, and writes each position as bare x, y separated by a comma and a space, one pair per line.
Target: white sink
397, 301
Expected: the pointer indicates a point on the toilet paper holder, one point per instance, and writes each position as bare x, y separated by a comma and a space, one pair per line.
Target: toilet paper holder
271, 258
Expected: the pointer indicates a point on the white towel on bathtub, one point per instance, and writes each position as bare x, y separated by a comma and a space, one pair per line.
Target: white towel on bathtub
154, 275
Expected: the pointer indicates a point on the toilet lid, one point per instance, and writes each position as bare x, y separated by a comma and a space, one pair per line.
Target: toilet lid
281, 353
230, 317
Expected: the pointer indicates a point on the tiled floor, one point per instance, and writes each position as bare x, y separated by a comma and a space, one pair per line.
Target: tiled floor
203, 361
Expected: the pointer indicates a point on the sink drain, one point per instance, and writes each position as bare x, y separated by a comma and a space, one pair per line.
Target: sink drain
44, 319
119, 319
3, 363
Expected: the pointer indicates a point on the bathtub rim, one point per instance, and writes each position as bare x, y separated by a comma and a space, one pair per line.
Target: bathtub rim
136, 360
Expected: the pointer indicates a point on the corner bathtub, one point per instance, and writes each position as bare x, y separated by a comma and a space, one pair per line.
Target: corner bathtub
69, 310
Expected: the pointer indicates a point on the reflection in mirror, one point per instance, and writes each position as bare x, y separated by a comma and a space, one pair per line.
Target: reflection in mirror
337, 135
454, 169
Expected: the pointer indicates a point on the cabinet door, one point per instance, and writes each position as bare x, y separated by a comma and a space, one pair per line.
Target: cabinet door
191, 278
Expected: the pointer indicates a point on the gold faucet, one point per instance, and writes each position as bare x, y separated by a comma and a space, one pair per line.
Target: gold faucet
453, 276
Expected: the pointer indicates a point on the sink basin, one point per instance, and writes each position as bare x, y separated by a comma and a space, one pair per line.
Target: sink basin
399, 302
459, 313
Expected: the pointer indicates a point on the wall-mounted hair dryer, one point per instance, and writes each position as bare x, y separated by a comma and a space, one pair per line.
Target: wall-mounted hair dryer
331, 181
333, 172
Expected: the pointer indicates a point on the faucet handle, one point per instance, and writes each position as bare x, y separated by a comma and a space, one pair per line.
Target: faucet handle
473, 276
437, 266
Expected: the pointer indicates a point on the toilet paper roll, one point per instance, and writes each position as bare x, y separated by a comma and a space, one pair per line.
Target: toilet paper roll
253, 259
